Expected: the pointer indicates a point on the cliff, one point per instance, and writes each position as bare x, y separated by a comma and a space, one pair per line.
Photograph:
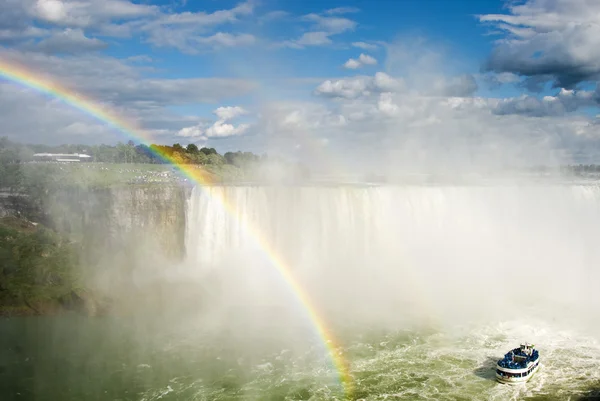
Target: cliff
113, 219
119, 236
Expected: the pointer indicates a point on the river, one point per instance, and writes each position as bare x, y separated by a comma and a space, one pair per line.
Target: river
418, 289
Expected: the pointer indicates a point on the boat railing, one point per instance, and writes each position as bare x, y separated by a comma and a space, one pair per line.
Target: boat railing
516, 359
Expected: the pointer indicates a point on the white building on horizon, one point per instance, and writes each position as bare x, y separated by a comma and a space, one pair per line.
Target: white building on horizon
62, 157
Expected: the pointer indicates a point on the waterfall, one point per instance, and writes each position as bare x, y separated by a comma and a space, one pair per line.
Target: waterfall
382, 254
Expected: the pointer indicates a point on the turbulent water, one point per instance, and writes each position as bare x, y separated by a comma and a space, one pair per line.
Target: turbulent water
421, 288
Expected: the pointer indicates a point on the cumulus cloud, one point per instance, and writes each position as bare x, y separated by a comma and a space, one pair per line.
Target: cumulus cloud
363, 85
195, 131
220, 128
351, 88
318, 38
230, 112
352, 64
556, 41
362, 60
564, 102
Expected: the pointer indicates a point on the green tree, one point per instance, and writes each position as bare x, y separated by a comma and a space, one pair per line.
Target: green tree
11, 174
215, 159
193, 149
209, 151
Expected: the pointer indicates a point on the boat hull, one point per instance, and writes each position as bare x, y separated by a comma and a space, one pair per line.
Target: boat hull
509, 379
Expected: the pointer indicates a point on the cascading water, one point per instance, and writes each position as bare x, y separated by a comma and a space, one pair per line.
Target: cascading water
425, 288
489, 266
388, 252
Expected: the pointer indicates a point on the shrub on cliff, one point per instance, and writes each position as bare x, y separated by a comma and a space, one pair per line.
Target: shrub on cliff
37, 265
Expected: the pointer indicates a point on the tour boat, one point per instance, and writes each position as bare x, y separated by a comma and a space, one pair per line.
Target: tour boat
518, 365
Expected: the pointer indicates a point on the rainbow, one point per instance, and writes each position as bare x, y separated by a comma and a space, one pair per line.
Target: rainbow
20, 75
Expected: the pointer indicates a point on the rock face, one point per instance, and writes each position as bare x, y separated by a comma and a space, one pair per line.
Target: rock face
115, 219
127, 237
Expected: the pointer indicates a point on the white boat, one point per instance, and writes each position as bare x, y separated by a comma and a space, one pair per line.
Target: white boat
518, 365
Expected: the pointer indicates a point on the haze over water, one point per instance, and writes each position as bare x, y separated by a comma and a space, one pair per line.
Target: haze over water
424, 288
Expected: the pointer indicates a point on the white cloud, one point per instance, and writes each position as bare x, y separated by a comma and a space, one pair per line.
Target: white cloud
230, 112
556, 41
187, 31
323, 27
88, 13
351, 88
333, 25
195, 131
15, 22
341, 10
51, 10
18, 34
364, 45
114, 81
362, 60
227, 40
69, 41
496, 80
220, 128
313, 39
564, 102
352, 64
190, 32
366, 59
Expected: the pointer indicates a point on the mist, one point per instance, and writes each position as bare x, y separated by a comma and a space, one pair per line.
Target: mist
443, 253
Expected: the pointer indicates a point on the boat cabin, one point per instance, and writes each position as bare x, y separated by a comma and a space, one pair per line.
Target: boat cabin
527, 349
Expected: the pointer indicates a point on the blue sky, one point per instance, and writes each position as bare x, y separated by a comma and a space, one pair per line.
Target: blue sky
408, 76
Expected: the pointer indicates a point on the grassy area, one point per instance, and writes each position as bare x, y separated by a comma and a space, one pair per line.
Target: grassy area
108, 174
99, 174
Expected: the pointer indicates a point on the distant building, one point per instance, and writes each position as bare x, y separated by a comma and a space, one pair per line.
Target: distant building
62, 157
